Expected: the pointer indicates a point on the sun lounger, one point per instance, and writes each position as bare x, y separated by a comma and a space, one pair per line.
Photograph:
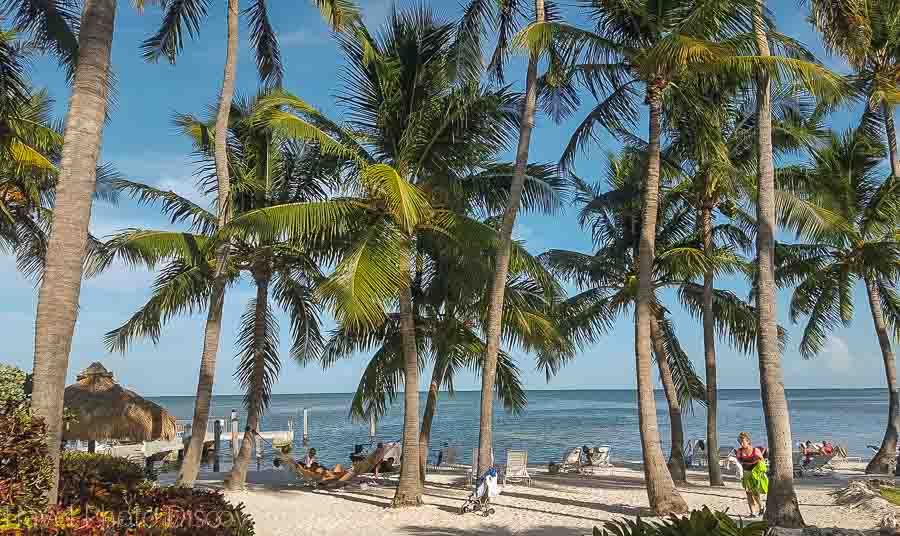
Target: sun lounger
696, 456
600, 459
571, 461
446, 457
516, 467
815, 465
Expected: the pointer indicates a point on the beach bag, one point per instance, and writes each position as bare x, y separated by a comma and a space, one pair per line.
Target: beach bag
756, 480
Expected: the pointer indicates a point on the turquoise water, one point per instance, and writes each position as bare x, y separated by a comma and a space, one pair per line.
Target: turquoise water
555, 420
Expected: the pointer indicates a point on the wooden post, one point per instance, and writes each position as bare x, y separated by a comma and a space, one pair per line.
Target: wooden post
234, 435
217, 443
305, 426
259, 447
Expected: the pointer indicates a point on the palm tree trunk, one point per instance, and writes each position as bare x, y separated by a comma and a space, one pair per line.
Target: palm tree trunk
782, 509
57, 307
437, 378
256, 391
885, 461
664, 497
709, 353
191, 464
676, 459
504, 247
891, 138
409, 490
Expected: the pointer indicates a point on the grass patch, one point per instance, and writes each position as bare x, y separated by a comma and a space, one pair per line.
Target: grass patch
891, 494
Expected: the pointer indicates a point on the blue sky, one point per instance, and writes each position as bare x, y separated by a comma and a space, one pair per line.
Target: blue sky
140, 141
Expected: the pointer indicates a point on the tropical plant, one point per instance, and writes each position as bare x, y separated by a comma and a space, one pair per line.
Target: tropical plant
648, 47
712, 142
188, 16
607, 279
451, 301
698, 522
850, 236
506, 17
867, 34
782, 507
25, 468
269, 169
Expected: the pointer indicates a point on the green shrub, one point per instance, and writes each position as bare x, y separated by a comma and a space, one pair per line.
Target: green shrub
99, 480
699, 523
12, 385
25, 468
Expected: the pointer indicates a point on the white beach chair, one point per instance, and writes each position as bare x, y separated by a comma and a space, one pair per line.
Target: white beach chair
601, 458
571, 460
516, 467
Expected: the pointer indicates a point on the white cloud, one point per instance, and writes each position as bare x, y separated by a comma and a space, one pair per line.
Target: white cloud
837, 354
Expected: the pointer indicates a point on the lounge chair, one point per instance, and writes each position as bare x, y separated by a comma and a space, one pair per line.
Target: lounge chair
571, 461
332, 479
516, 467
600, 458
817, 465
727, 459
446, 457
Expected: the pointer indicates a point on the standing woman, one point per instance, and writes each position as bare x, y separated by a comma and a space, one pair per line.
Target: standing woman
754, 481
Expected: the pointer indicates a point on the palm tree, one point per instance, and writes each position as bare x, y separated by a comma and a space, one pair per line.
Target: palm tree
867, 34
451, 304
782, 508
269, 169
168, 41
505, 15
608, 280
419, 131
851, 237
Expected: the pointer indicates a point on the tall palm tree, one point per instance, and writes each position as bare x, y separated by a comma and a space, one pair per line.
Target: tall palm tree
505, 15
851, 237
419, 130
608, 280
268, 169
867, 34
782, 508
187, 16
66, 248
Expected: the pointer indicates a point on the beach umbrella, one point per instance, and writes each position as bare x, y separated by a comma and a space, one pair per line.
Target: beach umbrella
106, 411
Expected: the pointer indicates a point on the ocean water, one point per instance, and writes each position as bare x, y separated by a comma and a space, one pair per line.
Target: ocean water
556, 420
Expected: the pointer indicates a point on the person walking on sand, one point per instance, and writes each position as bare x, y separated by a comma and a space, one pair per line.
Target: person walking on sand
755, 482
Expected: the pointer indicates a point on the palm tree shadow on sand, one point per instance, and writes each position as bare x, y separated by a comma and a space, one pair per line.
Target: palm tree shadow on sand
494, 530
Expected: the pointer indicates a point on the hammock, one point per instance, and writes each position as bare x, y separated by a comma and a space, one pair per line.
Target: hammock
330, 479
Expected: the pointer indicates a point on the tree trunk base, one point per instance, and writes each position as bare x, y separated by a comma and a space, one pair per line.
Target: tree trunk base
230, 485
782, 509
882, 464
406, 501
671, 504
677, 469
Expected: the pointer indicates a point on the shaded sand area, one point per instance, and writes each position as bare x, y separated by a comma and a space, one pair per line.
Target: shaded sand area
558, 505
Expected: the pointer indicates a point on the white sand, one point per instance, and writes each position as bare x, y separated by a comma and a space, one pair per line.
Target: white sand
558, 505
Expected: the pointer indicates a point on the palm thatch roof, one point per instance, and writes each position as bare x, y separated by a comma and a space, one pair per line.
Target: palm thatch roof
106, 410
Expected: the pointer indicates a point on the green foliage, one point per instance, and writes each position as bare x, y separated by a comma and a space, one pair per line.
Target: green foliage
99, 480
12, 385
699, 523
25, 469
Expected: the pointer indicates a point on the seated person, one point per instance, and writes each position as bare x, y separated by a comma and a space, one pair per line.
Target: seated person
310, 461
827, 449
588, 454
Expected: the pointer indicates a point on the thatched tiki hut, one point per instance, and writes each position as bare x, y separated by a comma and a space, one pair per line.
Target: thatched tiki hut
108, 411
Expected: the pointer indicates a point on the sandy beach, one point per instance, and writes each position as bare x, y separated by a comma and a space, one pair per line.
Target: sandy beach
558, 505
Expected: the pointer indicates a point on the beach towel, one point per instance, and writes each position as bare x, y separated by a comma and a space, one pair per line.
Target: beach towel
756, 481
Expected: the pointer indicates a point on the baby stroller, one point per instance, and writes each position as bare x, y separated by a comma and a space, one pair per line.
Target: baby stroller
486, 488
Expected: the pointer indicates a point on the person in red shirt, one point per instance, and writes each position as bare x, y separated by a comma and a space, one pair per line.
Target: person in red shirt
748, 457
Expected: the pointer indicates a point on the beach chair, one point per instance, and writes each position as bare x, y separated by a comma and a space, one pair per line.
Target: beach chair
516, 467
445, 458
571, 461
727, 459
601, 458
816, 466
